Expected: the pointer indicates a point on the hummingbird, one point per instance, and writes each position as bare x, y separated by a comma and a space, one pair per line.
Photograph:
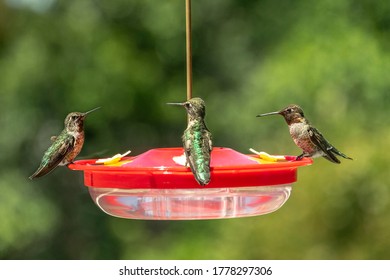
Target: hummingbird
197, 142
307, 137
66, 146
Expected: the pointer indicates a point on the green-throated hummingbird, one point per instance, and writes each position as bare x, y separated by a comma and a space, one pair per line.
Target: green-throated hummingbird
197, 141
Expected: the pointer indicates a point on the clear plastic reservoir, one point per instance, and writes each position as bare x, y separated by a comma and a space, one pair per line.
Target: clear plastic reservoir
189, 204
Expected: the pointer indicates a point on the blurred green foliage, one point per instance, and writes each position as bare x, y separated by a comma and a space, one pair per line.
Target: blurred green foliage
330, 56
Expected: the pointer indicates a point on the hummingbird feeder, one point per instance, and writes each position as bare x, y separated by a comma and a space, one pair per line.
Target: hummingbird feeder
153, 185
157, 185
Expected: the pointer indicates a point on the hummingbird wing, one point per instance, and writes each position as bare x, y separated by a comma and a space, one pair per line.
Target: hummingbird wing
319, 140
207, 139
54, 155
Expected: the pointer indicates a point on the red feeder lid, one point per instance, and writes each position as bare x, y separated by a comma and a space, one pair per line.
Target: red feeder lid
156, 169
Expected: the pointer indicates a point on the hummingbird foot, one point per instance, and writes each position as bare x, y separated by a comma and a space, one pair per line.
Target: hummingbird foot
300, 157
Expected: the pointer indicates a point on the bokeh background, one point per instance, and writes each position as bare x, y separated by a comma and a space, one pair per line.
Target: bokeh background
330, 56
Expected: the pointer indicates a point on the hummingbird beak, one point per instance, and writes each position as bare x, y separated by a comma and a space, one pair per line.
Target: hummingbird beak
268, 114
176, 104
90, 111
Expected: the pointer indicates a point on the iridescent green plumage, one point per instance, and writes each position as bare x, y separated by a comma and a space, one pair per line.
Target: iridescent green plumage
197, 147
197, 141
66, 146
55, 154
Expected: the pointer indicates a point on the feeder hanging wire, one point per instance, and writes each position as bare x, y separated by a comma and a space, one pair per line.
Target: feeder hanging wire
188, 49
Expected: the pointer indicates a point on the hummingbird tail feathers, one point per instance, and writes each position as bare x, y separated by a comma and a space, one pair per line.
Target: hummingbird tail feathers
337, 152
203, 178
332, 158
40, 172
